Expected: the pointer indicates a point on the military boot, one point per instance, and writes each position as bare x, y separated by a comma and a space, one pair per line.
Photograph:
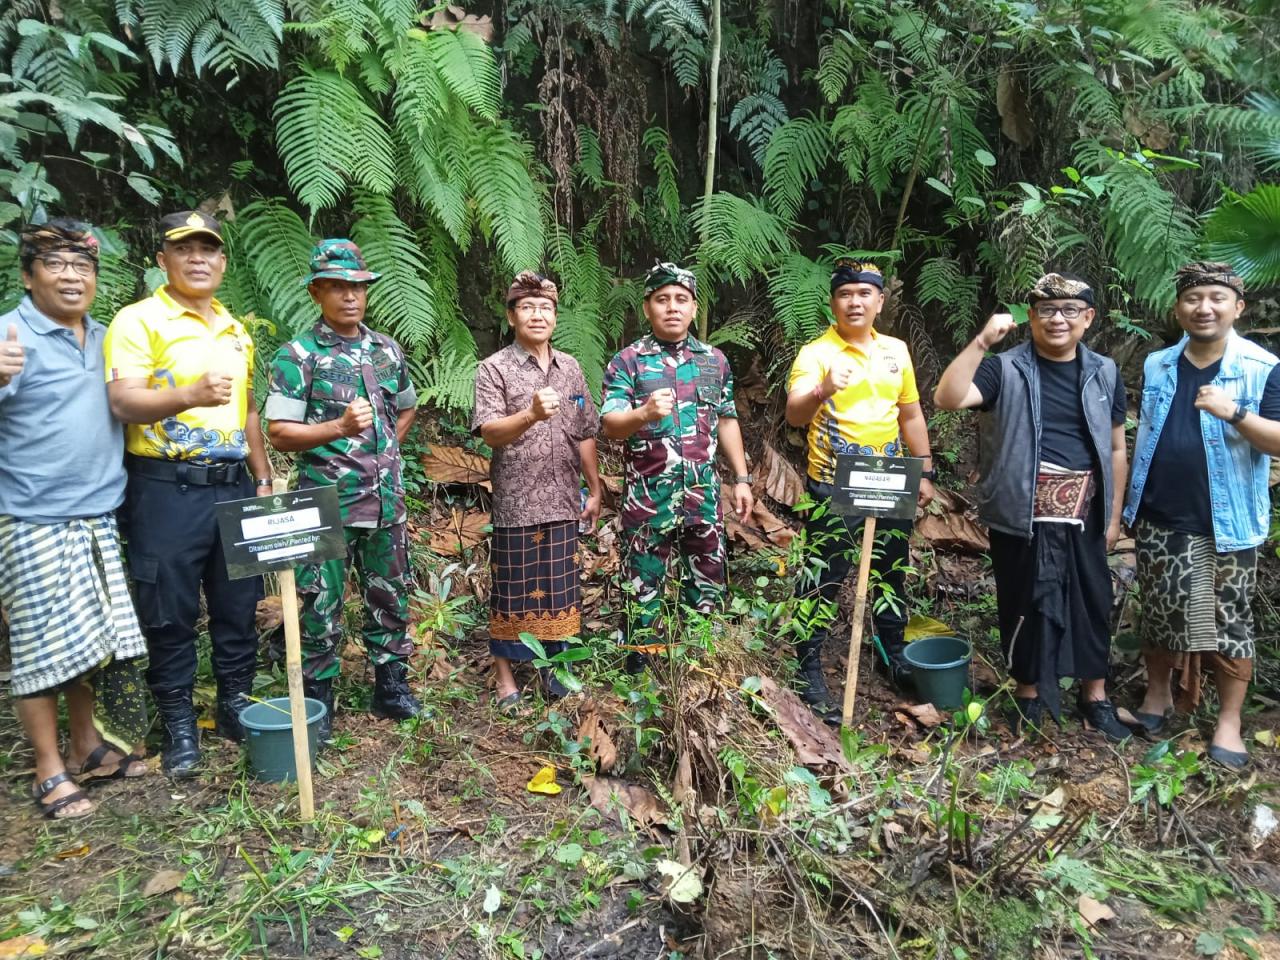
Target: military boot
233, 698
180, 747
392, 698
893, 662
812, 685
321, 690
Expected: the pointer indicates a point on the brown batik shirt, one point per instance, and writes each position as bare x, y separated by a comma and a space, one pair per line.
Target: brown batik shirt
538, 478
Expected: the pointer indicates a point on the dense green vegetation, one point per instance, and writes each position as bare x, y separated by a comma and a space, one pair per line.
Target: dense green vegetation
967, 143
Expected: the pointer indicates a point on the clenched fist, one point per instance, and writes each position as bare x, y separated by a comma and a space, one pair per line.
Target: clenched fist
546, 404
211, 390
997, 328
659, 405
838, 377
12, 356
357, 418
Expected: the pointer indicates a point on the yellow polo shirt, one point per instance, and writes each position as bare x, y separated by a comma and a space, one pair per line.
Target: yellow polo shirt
863, 417
169, 346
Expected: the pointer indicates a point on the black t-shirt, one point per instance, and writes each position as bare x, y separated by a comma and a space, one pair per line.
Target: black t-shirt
1176, 494
1064, 432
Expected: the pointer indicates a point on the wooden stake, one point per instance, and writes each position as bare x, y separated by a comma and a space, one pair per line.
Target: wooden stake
297, 700
859, 611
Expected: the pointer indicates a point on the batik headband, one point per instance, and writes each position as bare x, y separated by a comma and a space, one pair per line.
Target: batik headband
530, 284
1054, 286
69, 235
854, 271
1204, 273
665, 274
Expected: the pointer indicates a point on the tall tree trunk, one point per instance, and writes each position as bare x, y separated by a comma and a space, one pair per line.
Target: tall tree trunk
713, 119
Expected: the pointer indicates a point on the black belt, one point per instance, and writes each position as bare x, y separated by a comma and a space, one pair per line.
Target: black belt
187, 474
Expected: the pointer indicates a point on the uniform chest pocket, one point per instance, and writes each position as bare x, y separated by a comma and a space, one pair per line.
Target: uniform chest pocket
657, 428
332, 389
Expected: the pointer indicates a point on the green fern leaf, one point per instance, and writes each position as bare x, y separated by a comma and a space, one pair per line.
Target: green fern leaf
273, 242
401, 302
468, 68
800, 290
509, 199
739, 235
796, 154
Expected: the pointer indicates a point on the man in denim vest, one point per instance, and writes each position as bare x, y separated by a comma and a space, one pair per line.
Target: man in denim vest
1053, 470
1199, 503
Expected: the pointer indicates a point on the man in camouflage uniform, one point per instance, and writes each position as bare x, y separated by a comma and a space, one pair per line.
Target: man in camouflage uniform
670, 397
341, 399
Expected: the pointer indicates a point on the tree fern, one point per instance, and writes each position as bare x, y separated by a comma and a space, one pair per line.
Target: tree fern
401, 302
467, 66
795, 156
508, 197
271, 240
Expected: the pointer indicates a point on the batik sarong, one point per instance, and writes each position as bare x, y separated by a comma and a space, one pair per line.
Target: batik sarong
64, 590
536, 588
1197, 607
1053, 592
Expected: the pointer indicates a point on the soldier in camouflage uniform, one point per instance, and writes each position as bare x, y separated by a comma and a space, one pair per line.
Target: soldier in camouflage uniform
341, 398
670, 397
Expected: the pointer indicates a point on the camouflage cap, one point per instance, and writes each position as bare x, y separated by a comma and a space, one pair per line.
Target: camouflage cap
339, 259
665, 274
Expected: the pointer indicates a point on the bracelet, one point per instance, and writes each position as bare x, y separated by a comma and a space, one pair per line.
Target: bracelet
817, 392
263, 481
931, 474
748, 479
1239, 415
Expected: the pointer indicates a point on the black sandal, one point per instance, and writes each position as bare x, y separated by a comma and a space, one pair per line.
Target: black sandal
94, 761
50, 810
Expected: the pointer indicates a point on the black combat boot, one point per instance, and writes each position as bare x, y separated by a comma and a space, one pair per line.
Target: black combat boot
233, 698
812, 685
894, 663
180, 748
321, 690
392, 698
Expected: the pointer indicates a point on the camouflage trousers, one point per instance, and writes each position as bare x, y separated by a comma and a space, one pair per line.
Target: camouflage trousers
380, 558
700, 551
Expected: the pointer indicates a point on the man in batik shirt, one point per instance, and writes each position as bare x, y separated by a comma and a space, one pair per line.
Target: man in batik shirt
534, 409
670, 397
341, 398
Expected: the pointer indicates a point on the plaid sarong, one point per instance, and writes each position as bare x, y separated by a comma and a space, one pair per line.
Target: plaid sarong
63, 588
536, 588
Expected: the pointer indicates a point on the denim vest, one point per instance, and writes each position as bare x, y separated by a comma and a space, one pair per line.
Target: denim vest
1238, 473
1009, 451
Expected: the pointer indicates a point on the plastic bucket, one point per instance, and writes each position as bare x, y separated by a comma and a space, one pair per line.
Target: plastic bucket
268, 731
940, 667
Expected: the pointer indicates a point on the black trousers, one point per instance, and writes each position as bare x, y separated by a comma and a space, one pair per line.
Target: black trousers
834, 542
174, 549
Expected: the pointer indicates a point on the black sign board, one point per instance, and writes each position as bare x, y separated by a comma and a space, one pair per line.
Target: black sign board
873, 486
263, 534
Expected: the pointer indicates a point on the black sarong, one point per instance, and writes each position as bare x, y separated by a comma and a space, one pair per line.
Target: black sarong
536, 588
1053, 595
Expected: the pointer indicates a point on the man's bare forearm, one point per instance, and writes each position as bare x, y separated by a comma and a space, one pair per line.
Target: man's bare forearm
288, 436
508, 429
136, 403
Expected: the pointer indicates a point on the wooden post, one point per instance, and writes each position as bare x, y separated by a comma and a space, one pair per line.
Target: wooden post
859, 614
297, 700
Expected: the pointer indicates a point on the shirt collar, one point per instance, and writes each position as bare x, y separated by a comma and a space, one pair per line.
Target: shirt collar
649, 345
39, 323
174, 309
524, 356
833, 336
326, 336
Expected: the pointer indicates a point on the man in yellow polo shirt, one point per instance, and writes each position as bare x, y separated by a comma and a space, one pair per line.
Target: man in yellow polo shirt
855, 389
180, 377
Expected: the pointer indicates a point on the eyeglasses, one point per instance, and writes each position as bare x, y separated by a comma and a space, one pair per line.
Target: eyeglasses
533, 309
83, 266
1069, 311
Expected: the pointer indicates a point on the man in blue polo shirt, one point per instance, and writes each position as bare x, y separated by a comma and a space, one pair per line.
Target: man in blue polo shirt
62, 584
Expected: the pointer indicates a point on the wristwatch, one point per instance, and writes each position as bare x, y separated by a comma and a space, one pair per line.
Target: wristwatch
931, 474
747, 478
1239, 415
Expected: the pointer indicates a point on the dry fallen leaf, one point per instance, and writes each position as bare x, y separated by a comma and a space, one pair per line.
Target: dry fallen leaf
72, 853
28, 945
781, 480
926, 714
459, 532
814, 743
456, 465
544, 781
1093, 912
162, 882
641, 805
684, 884
600, 746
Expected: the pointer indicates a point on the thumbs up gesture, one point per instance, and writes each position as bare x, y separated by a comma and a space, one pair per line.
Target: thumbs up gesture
12, 356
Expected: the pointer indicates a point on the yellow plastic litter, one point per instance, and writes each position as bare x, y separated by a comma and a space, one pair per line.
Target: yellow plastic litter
920, 626
544, 781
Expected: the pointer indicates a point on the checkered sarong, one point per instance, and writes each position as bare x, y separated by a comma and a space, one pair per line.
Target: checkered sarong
536, 587
64, 591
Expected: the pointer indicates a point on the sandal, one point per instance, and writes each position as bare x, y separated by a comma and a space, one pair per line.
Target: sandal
51, 810
512, 705
94, 761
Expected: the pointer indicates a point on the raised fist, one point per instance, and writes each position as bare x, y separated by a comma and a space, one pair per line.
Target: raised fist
546, 404
838, 377
211, 390
659, 405
997, 328
357, 418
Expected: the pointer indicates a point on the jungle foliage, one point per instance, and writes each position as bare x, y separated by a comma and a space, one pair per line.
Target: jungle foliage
966, 143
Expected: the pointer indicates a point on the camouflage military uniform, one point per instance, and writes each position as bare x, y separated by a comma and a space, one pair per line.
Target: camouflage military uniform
313, 379
672, 497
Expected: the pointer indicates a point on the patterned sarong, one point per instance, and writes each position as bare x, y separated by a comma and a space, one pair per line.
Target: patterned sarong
1062, 495
536, 588
64, 590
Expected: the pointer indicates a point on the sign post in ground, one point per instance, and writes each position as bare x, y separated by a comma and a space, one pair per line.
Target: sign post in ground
270, 535
870, 487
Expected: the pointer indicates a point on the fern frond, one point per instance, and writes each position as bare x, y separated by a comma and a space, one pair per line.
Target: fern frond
836, 64
401, 302
272, 239
468, 68
795, 155
755, 118
658, 142
739, 235
509, 198
799, 288
945, 282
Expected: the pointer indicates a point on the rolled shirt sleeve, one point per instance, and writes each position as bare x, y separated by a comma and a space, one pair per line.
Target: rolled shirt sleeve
407, 396
290, 384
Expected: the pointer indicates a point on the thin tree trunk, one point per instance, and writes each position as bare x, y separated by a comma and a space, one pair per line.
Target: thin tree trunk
713, 117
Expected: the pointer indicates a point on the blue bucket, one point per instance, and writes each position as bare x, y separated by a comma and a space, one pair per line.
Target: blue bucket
268, 732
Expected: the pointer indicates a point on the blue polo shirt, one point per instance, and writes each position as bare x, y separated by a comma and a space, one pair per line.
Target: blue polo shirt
61, 451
